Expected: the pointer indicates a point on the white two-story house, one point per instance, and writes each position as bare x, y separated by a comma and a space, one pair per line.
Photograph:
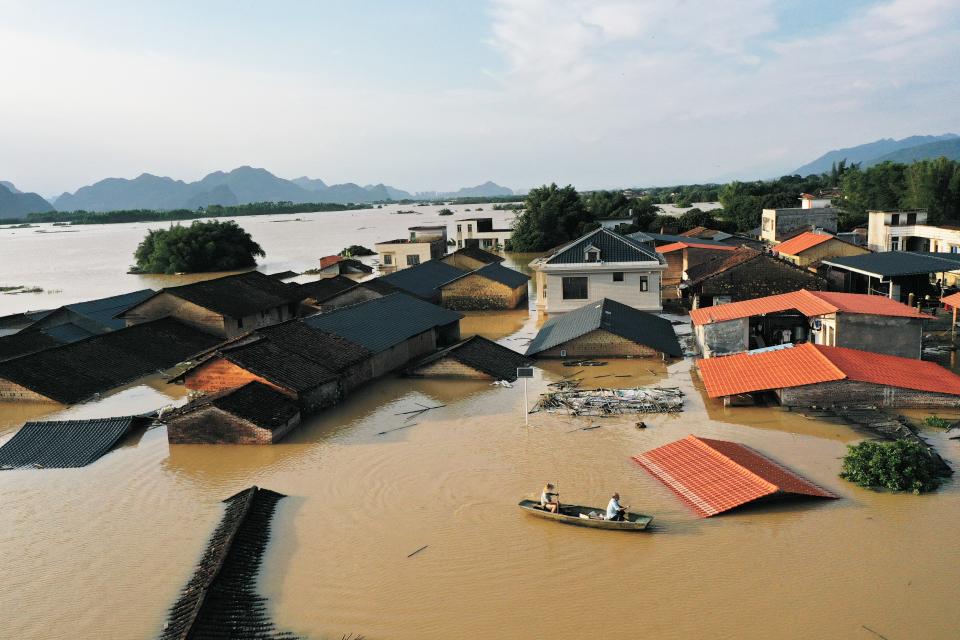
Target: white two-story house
600, 264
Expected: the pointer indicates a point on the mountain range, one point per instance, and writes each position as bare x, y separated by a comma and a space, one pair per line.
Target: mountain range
906, 151
17, 204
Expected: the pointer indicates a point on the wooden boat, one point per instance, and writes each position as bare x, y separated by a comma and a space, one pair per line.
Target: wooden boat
577, 515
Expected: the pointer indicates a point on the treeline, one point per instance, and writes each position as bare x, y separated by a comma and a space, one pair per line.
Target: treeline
212, 211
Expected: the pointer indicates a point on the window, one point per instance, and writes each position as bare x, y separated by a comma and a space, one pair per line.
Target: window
469, 228
618, 276
644, 285
458, 228
911, 218
895, 219
954, 249
388, 258
894, 244
592, 255
574, 288
413, 260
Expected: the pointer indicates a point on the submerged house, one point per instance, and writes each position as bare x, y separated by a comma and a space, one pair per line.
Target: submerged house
605, 329
476, 358
601, 264
490, 287
341, 266
808, 375
470, 258
328, 298
225, 307
807, 248
868, 323
423, 244
395, 328
744, 274
252, 414
424, 279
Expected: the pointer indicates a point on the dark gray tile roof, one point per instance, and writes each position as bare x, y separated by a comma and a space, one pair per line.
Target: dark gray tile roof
478, 254
254, 402
899, 263
378, 285
284, 275
325, 288
481, 354
332, 351
720, 264
619, 319
498, 273
381, 323
103, 310
423, 280
239, 295
279, 366
25, 342
64, 443
667, 238
613, 248
67, 332
77, 371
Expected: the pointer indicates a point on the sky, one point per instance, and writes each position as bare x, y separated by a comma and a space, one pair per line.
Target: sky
438, 95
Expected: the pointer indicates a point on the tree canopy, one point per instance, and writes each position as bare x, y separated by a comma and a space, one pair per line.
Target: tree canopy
901, 465
552, 216
203, 246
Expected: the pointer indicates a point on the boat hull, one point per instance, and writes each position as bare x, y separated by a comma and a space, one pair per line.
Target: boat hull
570, 514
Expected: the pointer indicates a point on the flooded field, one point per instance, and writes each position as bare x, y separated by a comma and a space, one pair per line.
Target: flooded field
102, 551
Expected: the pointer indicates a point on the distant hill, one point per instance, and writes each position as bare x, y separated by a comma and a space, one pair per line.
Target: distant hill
17, 204
872, 152
947, 148
483, 190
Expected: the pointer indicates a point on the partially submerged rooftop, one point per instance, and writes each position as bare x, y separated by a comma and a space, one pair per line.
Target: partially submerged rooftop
480, 354
425, 279
62, 444
714, 476
495, 272
254, 402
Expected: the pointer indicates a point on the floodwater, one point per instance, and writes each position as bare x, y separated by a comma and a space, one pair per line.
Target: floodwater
102, 551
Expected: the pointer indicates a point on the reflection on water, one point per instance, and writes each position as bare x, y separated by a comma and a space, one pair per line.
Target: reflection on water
101, 552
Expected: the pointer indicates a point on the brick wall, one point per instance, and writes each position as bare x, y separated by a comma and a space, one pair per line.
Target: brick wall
210, 425
763, 276
600, 344
218, 374
13, 392
846, 392
164, 304
449, 368
673, 275
476, 293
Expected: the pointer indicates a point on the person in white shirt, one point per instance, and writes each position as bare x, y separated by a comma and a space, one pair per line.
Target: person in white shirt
550, 499
614, 510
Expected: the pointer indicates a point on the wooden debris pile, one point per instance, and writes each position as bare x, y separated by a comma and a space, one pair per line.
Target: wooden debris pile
567, 398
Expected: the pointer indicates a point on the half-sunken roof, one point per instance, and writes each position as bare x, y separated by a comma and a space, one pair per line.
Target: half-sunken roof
477, 253
497, 273
62, 444
238, 295
381, 323
326, 288
284, 368
329, 349
103, 311
424, 279
617, 318
613, 247
486, 356
255, 402
20, 344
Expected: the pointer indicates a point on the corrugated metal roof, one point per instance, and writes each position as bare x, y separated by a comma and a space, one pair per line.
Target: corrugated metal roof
898, 263
809, 303
892, 371
497, 273
613, 248
713, 476
381, 323
617, 318
423, 280
667, 238
67, 332
64, 443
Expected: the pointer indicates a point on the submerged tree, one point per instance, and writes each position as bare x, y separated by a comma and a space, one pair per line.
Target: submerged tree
203, 246
552, 216
902, 465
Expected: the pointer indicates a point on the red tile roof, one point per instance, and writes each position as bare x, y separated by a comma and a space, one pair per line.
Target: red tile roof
807, 363
952, 300
713, 476
798, 244
809, 303
329, 261
676, 246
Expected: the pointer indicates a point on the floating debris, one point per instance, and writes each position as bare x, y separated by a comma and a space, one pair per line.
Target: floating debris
602, 402
584, 363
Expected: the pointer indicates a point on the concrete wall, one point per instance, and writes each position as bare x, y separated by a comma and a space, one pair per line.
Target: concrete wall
399, 251
320, 397
880, 334
448, 368
847, 392
775, 224
600, 285
211, 425
600, 344
722, 338
477, 293
13, 392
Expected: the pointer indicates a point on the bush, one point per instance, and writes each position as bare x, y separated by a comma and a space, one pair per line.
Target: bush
203, 246
902, 465
937, 422
445, 212
355, 251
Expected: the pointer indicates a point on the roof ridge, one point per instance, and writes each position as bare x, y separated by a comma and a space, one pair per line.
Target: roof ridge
823, 356
741, 470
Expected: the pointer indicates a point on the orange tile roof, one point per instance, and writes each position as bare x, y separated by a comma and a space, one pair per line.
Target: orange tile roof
329, 261
713, 476
809, 303
748, 372
807, 363
800, 243
676, 246
952, 300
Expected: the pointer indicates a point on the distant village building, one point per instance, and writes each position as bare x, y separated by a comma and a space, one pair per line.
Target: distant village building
909, 231
480, 232
424, 243
703, 233
474, 358
681, 256
423, 280
867, 323
225, 307
613, 223
252, 414
601, 264
340, 266
605, 329
810, 201
317, 291
744, 274
777, 224
895, 274
808, 375
492, 287
333, 297
470, 258
808, 248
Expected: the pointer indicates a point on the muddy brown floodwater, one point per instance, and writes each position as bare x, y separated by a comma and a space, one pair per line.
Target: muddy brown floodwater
102, 551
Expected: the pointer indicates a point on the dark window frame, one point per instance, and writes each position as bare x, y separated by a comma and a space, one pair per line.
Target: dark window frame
618, 276
575, 287
644, 284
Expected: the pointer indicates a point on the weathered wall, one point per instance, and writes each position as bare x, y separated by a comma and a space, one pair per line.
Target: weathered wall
355, 376
600, 344
880, 334
219, 374
463, 262
210, 425
320, 397
448, 368
722, 338
164, 304
448, 334
847, 392
476, 293
757, 278
400, 354
672, 276
13, 392
777, 223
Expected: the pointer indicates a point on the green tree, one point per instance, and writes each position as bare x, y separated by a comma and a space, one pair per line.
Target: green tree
355, 251
552, 216
203, 246
696, 218
902, 465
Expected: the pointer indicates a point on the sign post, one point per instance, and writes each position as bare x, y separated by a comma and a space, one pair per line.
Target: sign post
525, 373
